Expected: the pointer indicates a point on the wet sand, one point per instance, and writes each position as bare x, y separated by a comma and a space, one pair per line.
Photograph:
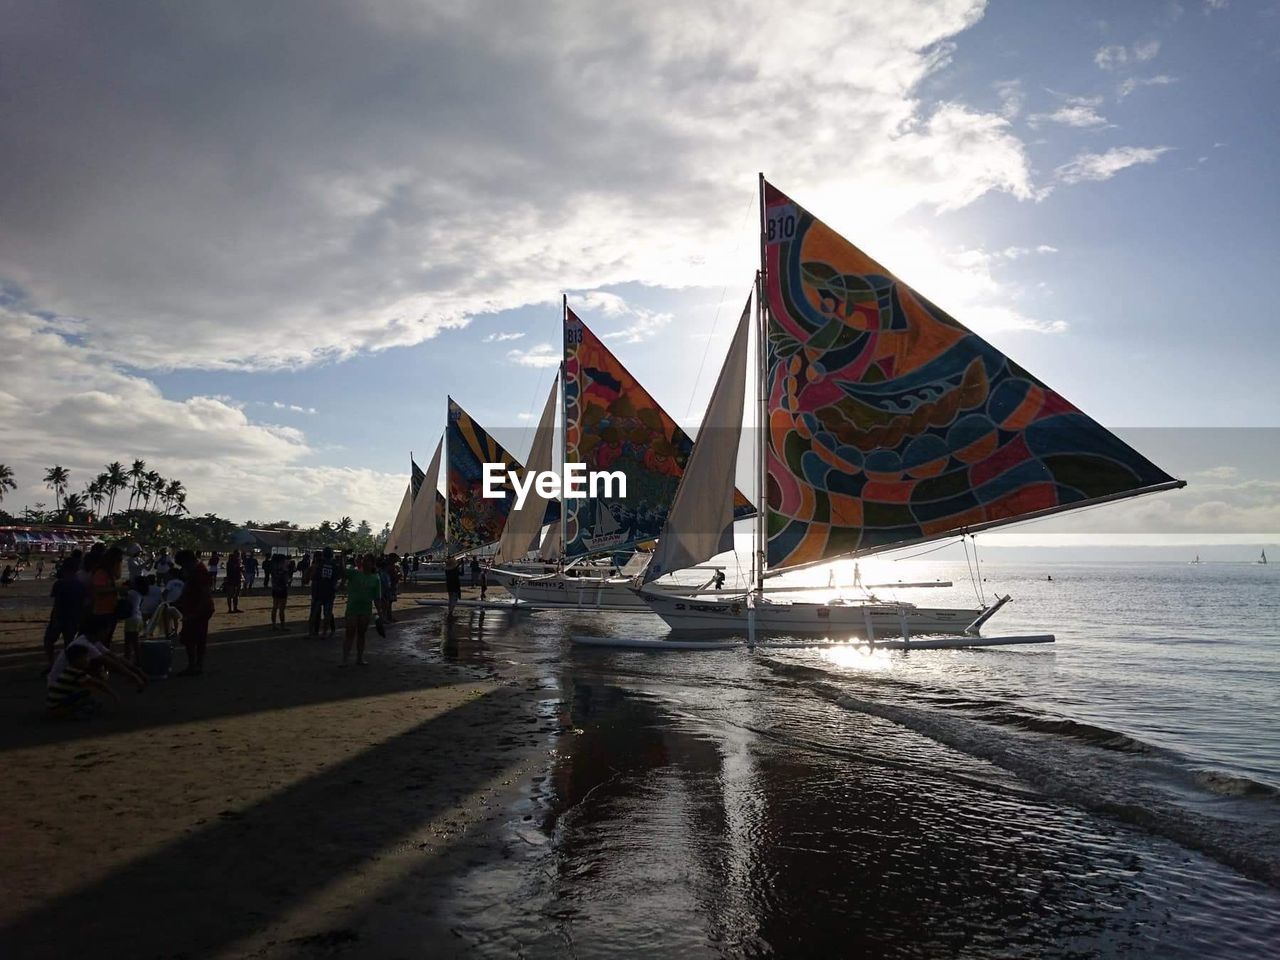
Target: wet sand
262, 809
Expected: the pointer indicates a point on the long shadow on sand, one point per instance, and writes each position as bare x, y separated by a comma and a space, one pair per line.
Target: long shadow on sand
242, 676
233, 877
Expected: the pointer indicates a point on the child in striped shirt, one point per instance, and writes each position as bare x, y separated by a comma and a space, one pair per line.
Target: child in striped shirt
70, 691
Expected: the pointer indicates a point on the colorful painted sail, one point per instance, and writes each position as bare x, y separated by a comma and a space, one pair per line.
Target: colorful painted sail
473, 519
890, 423
441, 511
613, 424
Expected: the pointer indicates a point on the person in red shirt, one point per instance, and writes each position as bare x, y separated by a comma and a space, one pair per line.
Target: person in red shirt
196, 607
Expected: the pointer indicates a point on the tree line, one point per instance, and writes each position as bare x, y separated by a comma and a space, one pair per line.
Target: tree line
155, 512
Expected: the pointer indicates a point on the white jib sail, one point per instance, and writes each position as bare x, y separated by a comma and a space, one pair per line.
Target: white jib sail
421, 532
550, 549
700, 524
524, 525
400, 528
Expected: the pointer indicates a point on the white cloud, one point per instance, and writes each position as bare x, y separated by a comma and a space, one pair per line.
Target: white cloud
541, 355
1213, 6
1110, 57
1145, 50
1219, 473
1133, 83
1103, 166
964, 282
1011, 97
503, 337
282, 214
1117, 56
1075, 112
291, 407
641, 323
1016, 253
67, 404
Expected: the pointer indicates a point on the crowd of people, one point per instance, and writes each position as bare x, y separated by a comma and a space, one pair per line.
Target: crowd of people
110, 588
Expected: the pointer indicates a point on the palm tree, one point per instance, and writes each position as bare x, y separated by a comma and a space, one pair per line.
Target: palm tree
137, 473
155, 485
95, 492
344, 527
56, 479
175, 495
6, 480
73, 504
117, 480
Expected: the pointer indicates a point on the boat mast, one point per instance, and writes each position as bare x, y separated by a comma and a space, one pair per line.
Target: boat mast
762, 469
447, 511
564, 424
412, 541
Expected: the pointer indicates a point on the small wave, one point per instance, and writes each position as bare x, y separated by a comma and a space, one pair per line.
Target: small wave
1231, 785
1114, 783
1084, 732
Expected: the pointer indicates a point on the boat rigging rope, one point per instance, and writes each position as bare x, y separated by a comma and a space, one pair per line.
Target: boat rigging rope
977, 566
941, 546
738, 235
972, 580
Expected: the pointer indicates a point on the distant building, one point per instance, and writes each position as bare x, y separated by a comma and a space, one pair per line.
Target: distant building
46, 539
266, 541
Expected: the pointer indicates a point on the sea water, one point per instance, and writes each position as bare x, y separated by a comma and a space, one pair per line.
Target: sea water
1115, 794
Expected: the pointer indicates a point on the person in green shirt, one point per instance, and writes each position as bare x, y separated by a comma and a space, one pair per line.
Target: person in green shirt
364, 588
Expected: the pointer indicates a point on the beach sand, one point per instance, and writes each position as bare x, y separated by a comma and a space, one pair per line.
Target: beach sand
267, 808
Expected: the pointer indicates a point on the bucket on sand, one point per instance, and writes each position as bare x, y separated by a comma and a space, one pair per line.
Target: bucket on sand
155, 658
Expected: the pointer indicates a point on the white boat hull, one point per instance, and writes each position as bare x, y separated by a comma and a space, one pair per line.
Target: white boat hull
800, 618
578, 593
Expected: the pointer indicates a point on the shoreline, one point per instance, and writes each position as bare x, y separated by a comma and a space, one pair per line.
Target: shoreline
266, 808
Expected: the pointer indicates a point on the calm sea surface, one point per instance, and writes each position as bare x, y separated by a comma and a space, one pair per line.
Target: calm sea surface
1116, 794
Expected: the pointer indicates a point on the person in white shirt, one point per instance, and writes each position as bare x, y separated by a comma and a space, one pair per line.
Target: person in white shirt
163, 565
100, 657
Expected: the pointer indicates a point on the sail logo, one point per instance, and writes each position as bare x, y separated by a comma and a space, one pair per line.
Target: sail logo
578, 483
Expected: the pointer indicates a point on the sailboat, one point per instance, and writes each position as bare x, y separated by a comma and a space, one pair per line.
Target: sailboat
611, 423
886, 424
1196, 560
415, 528
1263, 560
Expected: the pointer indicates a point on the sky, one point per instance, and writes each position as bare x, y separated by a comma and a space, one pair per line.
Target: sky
257, 245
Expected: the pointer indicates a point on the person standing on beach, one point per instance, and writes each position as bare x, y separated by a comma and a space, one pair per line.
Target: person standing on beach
68, 595
104, 597
325, 574
196, 607
281, 575
40, 568
215, 561
250, 570
235, 577
133, 565
453, 580
475, 571
364, 588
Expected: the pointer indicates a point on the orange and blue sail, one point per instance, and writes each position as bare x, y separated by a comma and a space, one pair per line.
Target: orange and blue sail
613, 424
473, 519
890, 423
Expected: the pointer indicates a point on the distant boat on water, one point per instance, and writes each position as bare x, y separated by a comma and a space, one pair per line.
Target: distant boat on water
1264, 557
1196, 560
